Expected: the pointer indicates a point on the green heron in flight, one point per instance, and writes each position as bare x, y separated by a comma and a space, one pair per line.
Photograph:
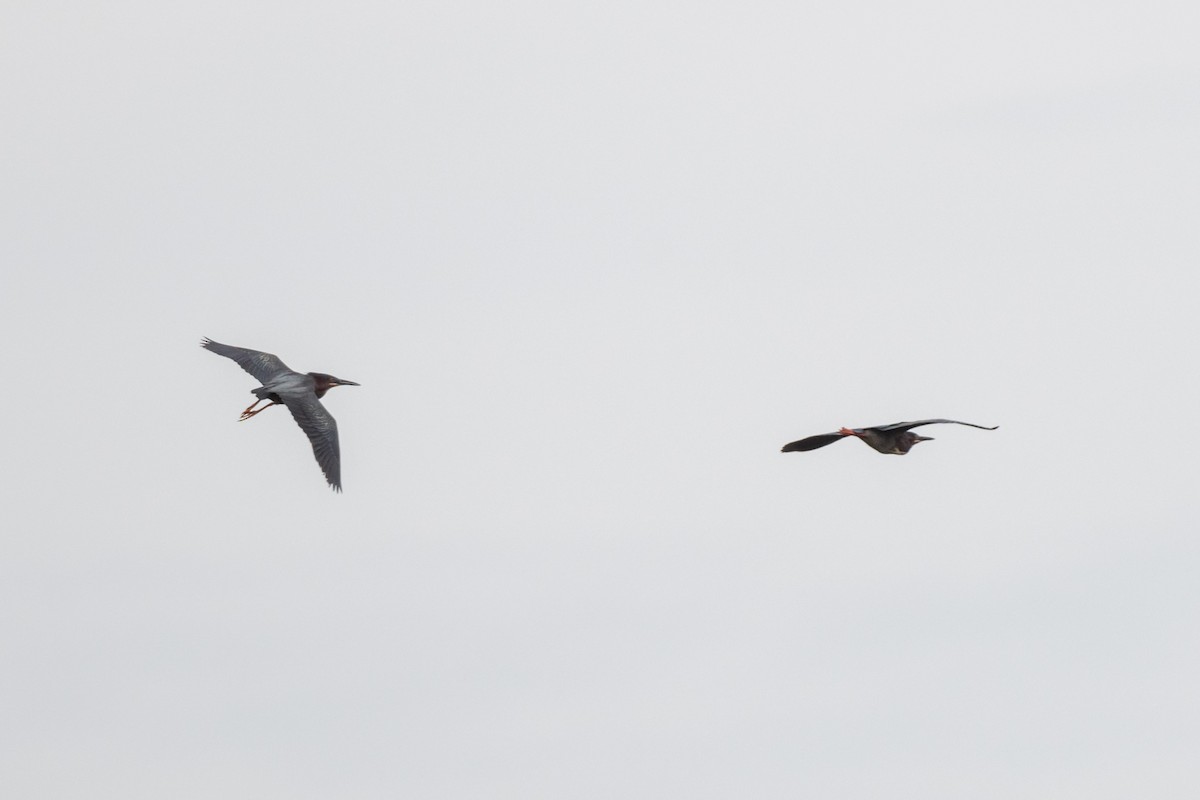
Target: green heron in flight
895, 439
300, 392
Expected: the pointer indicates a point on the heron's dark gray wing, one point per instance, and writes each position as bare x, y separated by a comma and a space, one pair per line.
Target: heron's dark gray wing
904, 426
812, 442
262, 366
321, 429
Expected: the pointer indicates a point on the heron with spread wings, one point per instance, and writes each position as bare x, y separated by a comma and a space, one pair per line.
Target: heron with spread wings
895, 439
301, 393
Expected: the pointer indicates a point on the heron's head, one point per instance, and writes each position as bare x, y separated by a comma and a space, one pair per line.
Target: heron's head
909, 439
327, 382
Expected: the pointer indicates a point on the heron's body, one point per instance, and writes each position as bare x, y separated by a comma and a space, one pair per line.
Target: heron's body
292, 384
895, 439
300, 392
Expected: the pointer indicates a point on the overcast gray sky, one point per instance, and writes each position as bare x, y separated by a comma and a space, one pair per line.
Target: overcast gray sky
593, 263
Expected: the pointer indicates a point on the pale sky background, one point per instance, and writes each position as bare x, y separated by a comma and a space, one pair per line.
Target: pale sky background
593, 263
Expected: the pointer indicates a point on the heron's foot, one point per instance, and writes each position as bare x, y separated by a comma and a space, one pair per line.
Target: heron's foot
247, 414
847, 432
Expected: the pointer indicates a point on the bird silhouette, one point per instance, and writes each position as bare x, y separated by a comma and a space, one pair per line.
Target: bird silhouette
895, 439
301, 393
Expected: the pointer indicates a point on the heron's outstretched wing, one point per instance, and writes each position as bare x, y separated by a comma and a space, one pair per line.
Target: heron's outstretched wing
813, 442
321, 429
262, 366
904, 426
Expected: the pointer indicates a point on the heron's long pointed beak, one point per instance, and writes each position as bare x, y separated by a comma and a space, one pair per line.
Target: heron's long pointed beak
347, 383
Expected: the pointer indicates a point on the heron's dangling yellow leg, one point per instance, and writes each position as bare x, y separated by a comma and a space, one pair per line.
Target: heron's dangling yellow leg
250, 412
